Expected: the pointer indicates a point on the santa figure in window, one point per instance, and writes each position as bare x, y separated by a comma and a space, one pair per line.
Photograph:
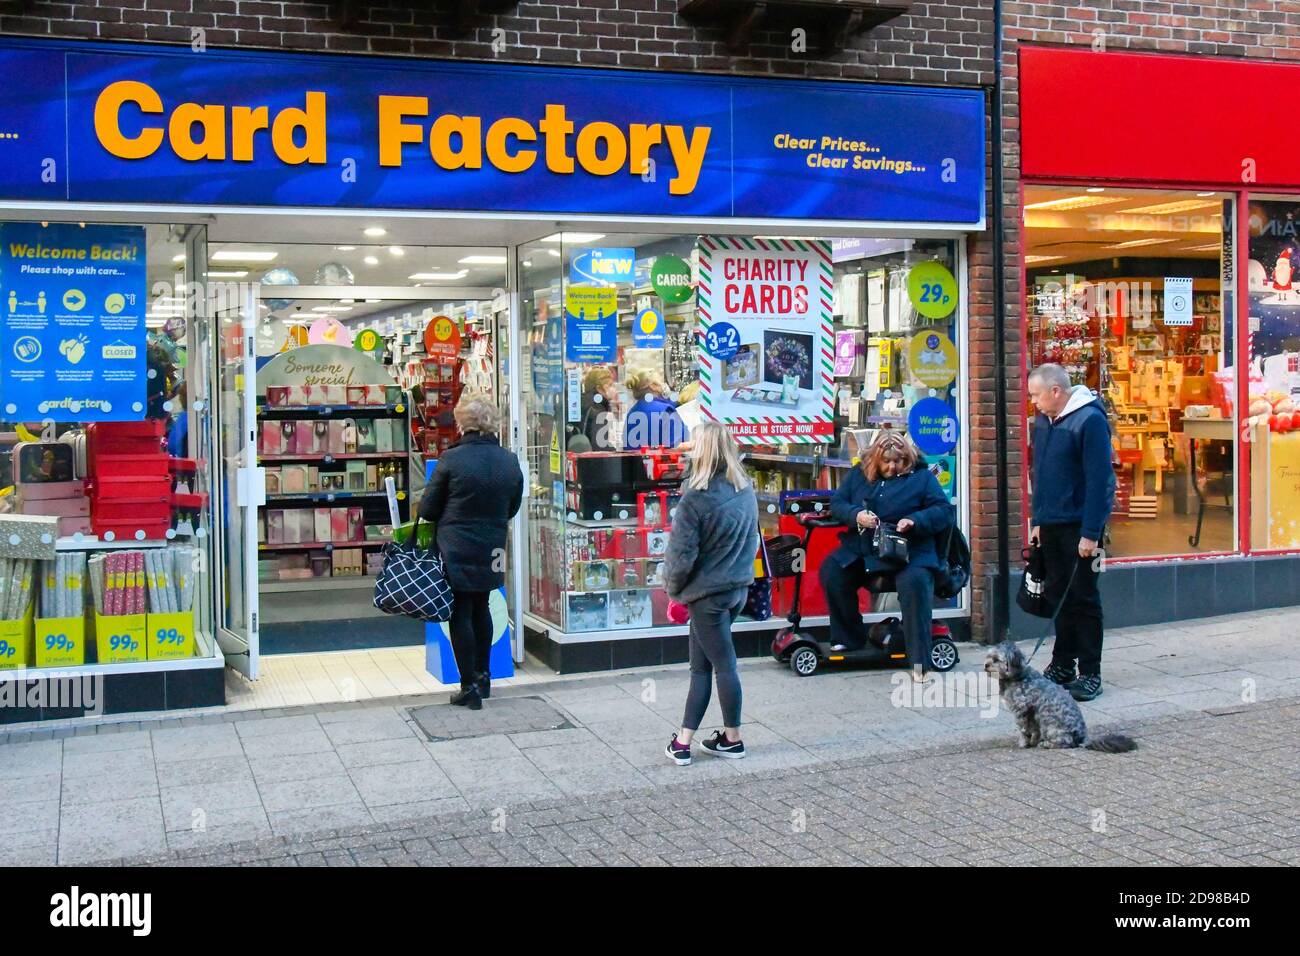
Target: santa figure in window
1282, 272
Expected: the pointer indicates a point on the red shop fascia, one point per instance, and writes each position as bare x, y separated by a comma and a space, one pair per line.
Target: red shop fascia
1152, 120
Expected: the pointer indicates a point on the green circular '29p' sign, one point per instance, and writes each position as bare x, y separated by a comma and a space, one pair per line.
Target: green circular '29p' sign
670, 277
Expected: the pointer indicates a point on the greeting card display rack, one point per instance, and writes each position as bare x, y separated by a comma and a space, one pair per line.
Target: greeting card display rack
326, 515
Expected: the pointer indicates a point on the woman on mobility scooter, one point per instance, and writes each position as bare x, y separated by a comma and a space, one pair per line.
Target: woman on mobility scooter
892, 492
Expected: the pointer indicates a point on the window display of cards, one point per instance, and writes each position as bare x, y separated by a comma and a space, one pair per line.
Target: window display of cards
587, 611
630, 609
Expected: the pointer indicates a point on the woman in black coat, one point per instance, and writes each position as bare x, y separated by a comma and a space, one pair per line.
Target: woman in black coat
894, 486
475, 490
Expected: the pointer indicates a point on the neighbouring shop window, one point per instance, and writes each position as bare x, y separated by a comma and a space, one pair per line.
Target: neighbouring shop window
1132, 292
1272, 425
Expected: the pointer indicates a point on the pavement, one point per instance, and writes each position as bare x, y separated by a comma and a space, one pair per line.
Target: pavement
841, 769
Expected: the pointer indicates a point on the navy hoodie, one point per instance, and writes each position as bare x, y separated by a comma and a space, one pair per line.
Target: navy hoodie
1074, 482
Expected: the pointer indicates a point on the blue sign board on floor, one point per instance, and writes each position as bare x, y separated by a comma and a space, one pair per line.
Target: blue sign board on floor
440, 660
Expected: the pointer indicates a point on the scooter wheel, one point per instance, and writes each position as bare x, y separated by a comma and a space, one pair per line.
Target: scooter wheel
804, 661
943, 656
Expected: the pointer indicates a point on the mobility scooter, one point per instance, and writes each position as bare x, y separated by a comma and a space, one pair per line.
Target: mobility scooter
806, 654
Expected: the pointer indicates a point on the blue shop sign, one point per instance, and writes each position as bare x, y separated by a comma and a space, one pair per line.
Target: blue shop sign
72, 331
126, 122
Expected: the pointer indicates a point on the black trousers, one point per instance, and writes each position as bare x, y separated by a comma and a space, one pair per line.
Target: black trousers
915, 587
1079, 625
470, 628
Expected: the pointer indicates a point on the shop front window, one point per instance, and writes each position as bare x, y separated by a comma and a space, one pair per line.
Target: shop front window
1273, 412
806, 349
106, 514
1132, 292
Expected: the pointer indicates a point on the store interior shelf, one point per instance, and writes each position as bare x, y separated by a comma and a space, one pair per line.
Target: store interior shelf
356, 583
604, 523
321, 545
328, 495
264, 410
329, 458
91, 543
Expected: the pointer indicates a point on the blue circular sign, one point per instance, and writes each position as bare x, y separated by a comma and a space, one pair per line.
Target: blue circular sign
721, 340
933, 426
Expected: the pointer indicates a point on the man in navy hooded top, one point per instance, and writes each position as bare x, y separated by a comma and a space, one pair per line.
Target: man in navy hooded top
1073, 494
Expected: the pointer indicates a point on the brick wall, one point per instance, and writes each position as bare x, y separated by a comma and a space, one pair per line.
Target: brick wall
943, 43
1257, 29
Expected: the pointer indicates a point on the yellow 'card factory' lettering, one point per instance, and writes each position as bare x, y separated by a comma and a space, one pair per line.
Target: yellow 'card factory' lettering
602, 149
196, 131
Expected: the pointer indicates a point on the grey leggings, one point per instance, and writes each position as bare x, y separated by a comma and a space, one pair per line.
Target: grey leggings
712, 653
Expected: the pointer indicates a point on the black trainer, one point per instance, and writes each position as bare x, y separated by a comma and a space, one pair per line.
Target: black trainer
484, 684
1087, 687
1060, 673
720, 746
679, 754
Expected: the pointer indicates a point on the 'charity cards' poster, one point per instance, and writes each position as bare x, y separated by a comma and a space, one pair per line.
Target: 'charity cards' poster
767, 355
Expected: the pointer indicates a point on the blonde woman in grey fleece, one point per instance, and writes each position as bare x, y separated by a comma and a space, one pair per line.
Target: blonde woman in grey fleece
709, 567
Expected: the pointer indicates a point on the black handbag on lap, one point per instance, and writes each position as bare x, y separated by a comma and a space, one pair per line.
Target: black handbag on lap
889, 544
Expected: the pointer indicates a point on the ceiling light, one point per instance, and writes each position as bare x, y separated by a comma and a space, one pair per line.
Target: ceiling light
1029, 260
331, 308
1168, 208
397, 250
1205, 195
1095, 189
347, 301
243, 255
483, 261
178, 258
374, 232
237, 274
1132, 243
374, 300
554, 253
438, 276
574, 237
1073, 202
528, 263
344, 248
371, 261
1208, 247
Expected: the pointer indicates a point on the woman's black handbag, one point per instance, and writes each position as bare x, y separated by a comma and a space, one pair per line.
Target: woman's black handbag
1032, 595
954, 565
889, 544
412, 582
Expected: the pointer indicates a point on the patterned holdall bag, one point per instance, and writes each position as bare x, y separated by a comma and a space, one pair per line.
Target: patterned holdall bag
412, 582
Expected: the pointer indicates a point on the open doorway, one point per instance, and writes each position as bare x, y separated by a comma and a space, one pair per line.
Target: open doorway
361, 351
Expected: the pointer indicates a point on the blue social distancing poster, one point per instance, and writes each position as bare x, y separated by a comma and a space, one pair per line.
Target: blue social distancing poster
72, 326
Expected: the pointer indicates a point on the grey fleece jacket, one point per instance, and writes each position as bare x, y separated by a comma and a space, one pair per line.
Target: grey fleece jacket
714, 542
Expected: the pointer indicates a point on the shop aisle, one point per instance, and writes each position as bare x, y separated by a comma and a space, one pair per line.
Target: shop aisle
300, 622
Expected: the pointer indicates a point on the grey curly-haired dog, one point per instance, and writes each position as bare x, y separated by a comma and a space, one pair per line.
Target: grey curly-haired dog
1046, 715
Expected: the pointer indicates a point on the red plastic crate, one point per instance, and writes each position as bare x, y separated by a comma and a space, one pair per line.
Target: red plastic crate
126, 530
131, 466
131, 509
146, 487
189, 502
